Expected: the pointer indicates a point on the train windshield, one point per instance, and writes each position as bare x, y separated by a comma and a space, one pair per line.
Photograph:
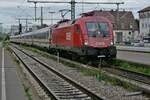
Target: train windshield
97, 29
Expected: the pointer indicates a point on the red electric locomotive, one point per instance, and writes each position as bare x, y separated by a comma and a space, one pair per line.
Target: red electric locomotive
86, 36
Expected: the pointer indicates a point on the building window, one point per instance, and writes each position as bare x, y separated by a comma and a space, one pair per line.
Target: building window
146, 25
129, 33
122, 25
142, 25
113, 25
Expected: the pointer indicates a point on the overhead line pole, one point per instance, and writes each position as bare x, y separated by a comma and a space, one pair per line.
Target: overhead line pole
73, 9
35, 9
52, 12
26, 25
41, 16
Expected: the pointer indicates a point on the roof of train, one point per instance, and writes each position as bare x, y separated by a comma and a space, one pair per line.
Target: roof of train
33, 32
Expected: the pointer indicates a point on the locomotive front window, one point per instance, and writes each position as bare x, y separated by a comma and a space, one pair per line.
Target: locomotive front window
92, 27
103, 28
97, 29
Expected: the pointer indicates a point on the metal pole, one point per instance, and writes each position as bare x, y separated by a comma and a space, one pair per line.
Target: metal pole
100, 66
26, 25
35, 10
58, 56
73, 9
117, 17
19, 28
51, 14
52, 19
82, 7
19, 21
117, 6
41, 16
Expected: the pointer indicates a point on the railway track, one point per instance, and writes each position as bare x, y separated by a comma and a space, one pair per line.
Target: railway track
140, 77
56, 84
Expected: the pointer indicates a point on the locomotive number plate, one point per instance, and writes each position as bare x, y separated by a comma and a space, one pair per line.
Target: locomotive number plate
100, 43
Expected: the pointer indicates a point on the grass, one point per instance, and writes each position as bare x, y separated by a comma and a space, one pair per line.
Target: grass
140, 68
5, 43
28, 92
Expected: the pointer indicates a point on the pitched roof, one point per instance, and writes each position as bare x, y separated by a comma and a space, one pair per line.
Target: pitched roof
122, 20
145, 9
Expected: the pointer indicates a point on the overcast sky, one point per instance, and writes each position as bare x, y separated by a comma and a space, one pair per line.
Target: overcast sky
10, 10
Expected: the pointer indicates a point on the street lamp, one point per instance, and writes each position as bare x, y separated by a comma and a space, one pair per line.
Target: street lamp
51, 12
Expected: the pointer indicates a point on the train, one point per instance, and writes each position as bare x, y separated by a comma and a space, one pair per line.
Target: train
87, 36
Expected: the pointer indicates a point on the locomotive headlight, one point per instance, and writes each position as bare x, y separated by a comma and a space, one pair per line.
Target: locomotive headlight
85, 43
111, 43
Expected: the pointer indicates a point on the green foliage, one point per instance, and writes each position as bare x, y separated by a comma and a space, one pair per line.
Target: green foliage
1, 38
6, 38
28, 92
140, 68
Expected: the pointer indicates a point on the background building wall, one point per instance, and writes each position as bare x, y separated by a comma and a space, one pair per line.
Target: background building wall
145, 26
122, 36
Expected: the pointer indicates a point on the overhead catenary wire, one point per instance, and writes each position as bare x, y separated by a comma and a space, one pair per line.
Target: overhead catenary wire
73, 2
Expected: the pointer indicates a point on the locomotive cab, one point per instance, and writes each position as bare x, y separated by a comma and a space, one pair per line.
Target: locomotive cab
98, 37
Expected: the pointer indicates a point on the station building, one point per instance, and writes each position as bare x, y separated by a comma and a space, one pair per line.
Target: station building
124, 24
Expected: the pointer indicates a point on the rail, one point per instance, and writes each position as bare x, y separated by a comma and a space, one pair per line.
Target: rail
84, 93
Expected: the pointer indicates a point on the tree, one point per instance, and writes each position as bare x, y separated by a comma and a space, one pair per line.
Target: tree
6, 38
1, 38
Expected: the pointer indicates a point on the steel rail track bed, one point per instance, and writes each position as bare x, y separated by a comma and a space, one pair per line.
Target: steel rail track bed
136, 76
57, 85
140, 77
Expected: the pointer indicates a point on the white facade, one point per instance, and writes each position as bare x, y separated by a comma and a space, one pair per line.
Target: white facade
121, 36
145, 23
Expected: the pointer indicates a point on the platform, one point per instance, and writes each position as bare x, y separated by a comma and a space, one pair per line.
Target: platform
138, 57
10, 84
136, 49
